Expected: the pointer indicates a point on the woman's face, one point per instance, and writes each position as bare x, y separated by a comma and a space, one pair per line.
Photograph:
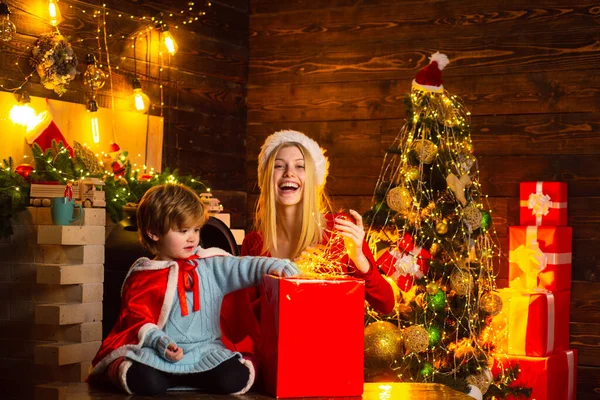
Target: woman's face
288, 176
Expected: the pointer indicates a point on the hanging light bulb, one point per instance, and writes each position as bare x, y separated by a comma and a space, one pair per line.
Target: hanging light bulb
22, 113
168, 40
93, 108
7, 28
54, 16
93, 76
139, 101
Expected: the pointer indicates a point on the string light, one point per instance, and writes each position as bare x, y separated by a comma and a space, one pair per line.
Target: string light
54, 14
93, 109
168, 40
7, 27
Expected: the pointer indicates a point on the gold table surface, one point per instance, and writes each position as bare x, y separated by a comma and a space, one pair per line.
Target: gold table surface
373, 391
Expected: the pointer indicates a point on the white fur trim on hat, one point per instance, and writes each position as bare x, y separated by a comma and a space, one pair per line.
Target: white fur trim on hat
287, 136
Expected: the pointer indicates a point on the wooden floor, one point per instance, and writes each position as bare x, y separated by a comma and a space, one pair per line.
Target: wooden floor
373, 391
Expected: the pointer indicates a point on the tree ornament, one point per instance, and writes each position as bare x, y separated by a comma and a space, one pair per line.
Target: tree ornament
24, 170
471, 216
426, 150
442, 227
427, 369
435, 335
458, 186
434, 249
481, 380
399, 199
383, 345
416, 339
491, 303
432, 288
466, 162
437, 301
406, 263
412, 174
461, 281
486, 221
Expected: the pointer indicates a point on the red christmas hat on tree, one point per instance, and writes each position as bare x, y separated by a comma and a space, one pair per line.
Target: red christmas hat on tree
429, 79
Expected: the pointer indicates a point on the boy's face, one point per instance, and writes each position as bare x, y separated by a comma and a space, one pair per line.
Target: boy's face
177, 243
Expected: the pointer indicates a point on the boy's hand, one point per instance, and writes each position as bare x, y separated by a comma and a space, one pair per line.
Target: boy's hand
174, 352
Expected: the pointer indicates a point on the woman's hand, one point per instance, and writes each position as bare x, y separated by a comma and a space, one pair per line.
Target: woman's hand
354, 236
174, 352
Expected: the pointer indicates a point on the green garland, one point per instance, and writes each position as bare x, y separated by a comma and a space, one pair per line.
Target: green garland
13, 196
55, 164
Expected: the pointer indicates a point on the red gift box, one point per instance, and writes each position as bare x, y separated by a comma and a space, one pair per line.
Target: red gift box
540, 257
532, 324
312, 337
543, 203
551, 378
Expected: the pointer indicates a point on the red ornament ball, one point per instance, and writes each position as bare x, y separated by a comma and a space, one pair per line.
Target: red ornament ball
24, 170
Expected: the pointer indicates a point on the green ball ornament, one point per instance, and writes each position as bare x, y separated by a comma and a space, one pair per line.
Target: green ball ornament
437, 301
427, 369
435, 335
486, 221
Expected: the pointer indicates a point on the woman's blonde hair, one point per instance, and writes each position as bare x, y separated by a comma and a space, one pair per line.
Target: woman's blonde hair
314, 204
165, 207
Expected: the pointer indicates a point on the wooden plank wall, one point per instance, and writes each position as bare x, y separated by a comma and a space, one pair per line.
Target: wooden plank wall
527, 70
203, 85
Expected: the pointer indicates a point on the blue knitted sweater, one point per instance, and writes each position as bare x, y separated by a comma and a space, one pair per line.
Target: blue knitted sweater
198, 333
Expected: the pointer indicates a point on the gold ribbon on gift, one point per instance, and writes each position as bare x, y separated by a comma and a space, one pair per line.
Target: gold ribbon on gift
518, 319
540, 203
532, 260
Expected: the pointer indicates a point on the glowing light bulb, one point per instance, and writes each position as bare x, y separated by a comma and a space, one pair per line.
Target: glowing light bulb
93, 76
7, 28
139, 101
22, 113
168, 40
93, 108
54, 16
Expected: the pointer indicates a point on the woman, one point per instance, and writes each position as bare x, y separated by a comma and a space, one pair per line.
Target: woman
291, 222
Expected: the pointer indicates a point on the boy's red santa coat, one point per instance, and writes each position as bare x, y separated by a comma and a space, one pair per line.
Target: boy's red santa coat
148, 295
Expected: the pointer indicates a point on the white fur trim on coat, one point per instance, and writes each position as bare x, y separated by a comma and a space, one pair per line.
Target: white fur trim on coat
288, 136
251, 378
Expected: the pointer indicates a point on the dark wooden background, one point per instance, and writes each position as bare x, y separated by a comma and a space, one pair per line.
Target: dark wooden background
339, 70
528, 71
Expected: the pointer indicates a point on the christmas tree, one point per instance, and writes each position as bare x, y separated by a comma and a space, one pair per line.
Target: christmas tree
431, 230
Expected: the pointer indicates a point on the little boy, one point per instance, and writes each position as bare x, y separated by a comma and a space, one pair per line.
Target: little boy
167, 334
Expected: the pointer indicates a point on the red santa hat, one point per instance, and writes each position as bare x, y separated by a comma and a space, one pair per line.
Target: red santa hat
287, 136
45, 133
429, 79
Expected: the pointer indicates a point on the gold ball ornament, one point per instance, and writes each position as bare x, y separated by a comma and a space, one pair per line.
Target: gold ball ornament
442, 227
413, 174
471, 216
398, 199
432, 288
426, 150
383, 345
482, 380
416, 339
491, 303
434, 249
461, 282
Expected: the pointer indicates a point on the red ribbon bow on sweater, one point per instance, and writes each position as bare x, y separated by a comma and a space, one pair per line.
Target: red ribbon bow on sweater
188, 281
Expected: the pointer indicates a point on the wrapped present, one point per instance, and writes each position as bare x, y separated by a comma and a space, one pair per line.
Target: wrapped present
312, 337
405, 264
540, 257
532, 324
550, 378
543, 203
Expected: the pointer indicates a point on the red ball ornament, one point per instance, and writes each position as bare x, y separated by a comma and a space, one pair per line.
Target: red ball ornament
24, 170
145, 177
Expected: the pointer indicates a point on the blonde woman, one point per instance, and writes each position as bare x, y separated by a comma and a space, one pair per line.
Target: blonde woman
291, 221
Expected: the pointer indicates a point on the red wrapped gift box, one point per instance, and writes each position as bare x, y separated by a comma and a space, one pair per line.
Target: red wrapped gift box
543, 203
551, 378
312, 337
532, 324
540, 257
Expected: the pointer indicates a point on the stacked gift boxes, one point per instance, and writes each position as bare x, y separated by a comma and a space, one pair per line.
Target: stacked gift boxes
534, 321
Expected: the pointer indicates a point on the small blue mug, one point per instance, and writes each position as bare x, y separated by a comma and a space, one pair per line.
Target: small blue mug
62, 210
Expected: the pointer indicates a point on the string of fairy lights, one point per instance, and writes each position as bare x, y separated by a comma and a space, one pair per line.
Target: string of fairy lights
95, 75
